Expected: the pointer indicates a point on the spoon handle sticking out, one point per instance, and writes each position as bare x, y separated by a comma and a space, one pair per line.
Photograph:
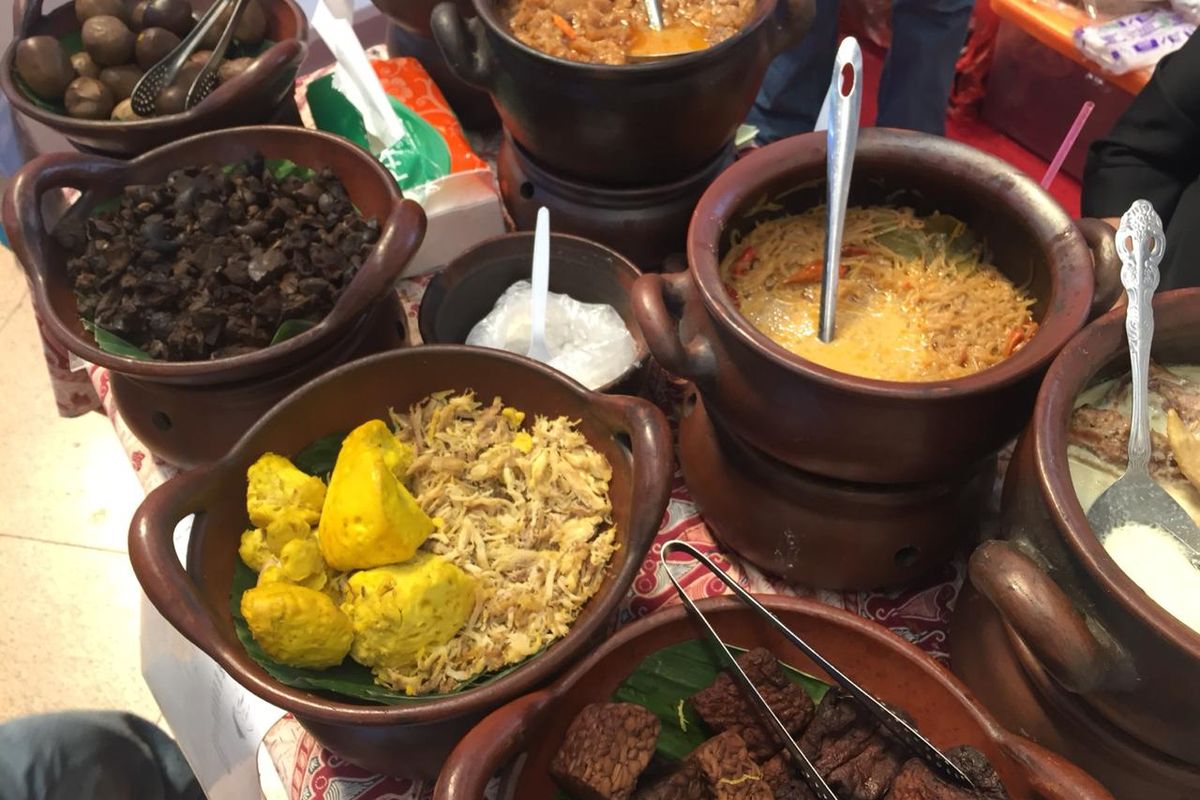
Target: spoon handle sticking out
654, 15
541, 287
841, 140
1140, 245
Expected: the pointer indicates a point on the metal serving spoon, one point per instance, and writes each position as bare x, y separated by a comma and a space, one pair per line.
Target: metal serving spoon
841, 140
1136, 498
654, 15
162, 74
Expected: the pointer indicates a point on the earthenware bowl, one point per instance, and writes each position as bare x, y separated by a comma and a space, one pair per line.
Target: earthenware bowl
1069, 610
817, 531
371, 188
465, 292
411, 739
839, 425
263, 93
645, 124
882, 663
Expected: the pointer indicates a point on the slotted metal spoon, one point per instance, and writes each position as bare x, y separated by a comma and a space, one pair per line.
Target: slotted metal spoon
162, 74
1136, 498
906, 734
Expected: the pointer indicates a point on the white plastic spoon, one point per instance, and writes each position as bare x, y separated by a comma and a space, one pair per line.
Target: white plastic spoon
541, 288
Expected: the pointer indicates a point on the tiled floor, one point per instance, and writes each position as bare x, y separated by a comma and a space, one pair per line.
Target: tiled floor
69, 600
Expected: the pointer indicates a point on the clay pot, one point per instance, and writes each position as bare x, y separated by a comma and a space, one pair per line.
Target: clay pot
1077, 616
172, 387
621, 125
647, 224
1007, 677
465, 292
263, 93
406, 37
892, 669
818, 532
411, 739
842, 426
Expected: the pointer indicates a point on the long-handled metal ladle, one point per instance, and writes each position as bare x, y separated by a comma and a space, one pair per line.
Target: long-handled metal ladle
841, 140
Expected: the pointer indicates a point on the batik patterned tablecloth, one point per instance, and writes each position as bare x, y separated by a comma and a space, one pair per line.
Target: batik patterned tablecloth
920, 614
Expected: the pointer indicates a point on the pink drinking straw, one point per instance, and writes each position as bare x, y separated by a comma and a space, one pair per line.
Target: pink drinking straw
1067, 143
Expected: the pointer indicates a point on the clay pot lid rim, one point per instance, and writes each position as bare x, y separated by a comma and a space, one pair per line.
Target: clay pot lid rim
462, 264
1070, 289
1075, 367
524, 678
135, 367
293, 48
486, 10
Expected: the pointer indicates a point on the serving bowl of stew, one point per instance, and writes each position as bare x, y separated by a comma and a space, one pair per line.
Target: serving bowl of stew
974, 218
602, 119
1079, 650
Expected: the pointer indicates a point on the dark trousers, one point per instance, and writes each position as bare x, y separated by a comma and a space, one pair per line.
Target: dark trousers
927, 37
91, 755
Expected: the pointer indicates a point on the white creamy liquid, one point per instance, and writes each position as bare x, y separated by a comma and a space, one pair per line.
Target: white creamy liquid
588, 341
1152, 558
1158, 563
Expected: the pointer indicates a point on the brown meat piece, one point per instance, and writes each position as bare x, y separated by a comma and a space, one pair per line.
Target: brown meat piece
981, 772
605, 750
1105, 434
685, 783
840, 730
723, 706
1177, 393
785, 781
868, 775
917, 782
730, 771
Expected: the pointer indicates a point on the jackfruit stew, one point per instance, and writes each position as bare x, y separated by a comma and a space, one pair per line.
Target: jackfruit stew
452, 544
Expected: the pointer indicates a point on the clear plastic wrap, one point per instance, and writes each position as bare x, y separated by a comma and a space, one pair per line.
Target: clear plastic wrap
588, 341
1188, 9
1134, 42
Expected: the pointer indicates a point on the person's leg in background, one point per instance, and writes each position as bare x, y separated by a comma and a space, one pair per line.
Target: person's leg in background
927, 38
91, 755
796, 81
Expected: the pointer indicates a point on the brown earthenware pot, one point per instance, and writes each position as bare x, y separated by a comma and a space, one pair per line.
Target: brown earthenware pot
816, 531
1079, 617
892, 669
648, 224
641, 124
260, 94
465, 292
471, 105
411, 739
371, 188
839, 425
1007, 677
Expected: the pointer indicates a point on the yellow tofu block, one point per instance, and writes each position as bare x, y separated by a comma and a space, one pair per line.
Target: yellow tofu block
400, 610
297, 626
276, 486
396, 454
370, 519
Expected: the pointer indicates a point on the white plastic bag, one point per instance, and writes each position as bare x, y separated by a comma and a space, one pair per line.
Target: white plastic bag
588, 341
1188, 9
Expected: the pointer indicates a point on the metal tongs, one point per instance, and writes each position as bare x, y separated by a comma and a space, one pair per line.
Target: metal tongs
162, 74
905, 733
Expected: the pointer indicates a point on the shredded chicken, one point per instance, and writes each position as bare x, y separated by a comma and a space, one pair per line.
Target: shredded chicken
527, 513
